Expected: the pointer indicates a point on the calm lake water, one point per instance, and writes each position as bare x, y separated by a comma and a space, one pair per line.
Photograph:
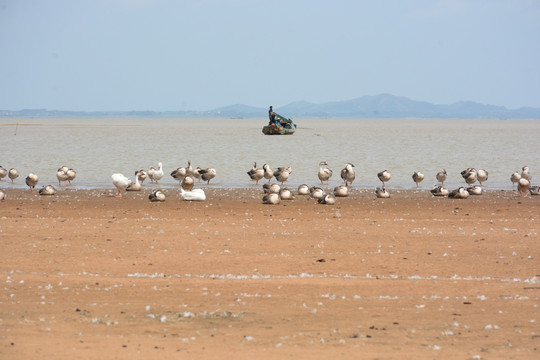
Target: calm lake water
97, 148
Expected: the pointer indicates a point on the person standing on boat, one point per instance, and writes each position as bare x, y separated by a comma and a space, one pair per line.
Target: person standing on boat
271, 116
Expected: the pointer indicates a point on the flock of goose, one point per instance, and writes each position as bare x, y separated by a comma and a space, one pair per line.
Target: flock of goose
184, 175
274, 193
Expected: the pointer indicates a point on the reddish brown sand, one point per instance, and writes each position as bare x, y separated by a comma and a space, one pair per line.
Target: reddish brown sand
86, 275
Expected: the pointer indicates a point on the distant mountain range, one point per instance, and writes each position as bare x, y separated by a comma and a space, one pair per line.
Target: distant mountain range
378, 106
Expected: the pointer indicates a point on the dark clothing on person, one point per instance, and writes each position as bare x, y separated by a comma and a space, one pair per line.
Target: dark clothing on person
271, 116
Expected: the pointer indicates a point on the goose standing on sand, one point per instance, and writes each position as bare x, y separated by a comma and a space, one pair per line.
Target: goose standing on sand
3, 172
197, 173
187, 183
32, 180
525, 173
268, 172
382, 193
285, 194
156, 196
120, 182
207, 174
324, 172
61, 175
271, 188
282, 174
523, 187
341, 191
534, 190
150, 173
179, 174
441, 176
2, 195
134, 186
439, 190
71, 174
158, 174
384, 176
193, 195
47, 190
469, 175
271, 198
256, 173
460, 193
417, 177
189, 169
481, 176
303, 189
515, 178
347, 174
141, 175
13, 174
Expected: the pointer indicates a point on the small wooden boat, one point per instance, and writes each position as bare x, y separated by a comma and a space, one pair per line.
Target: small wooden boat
283, 126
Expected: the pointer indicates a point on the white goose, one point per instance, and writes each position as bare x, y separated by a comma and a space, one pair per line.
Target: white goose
158, 174
2, 195
47, 190
256, 173
324, 172
347, 174
193, 195
120, 182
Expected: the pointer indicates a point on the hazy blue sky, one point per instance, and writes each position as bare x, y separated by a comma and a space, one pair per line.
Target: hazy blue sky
202, 54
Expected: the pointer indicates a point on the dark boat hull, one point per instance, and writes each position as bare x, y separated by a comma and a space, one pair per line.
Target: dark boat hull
277, 130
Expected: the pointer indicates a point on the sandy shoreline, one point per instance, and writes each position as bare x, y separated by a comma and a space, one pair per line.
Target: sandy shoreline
85, 272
